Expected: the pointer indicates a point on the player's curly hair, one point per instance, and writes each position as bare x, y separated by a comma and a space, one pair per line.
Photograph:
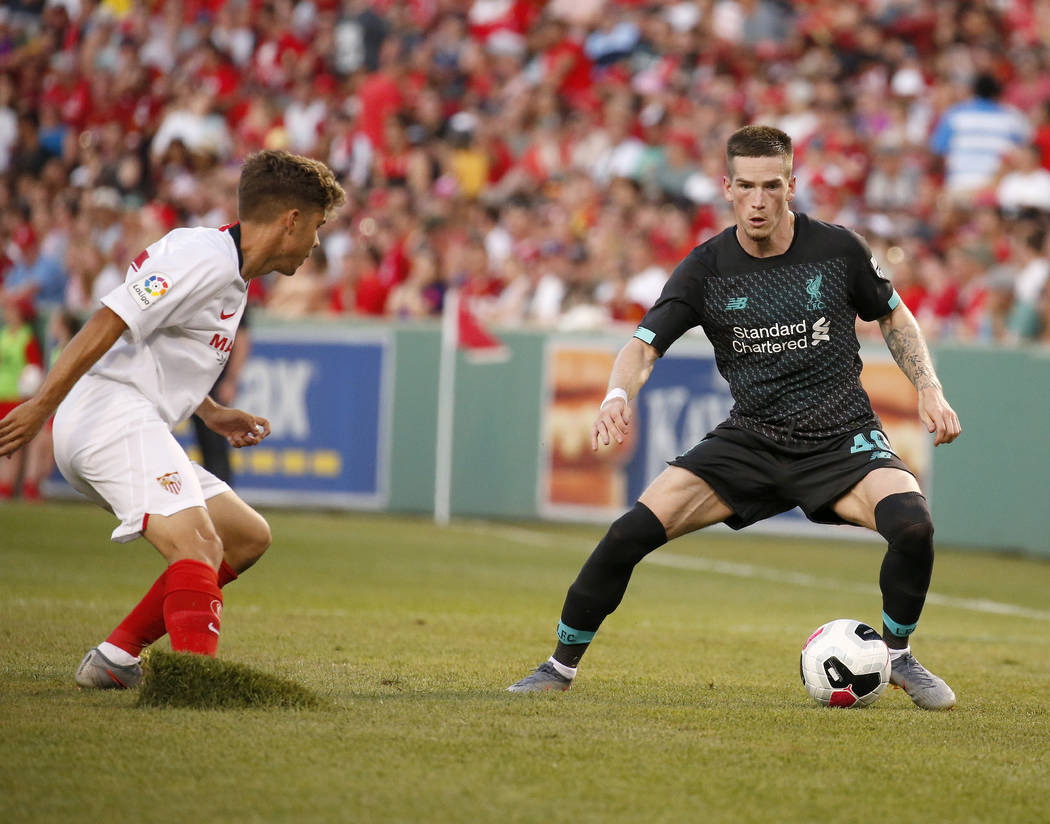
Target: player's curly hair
759, 141
273, 181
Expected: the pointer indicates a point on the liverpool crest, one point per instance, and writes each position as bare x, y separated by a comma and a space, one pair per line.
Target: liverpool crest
813, 290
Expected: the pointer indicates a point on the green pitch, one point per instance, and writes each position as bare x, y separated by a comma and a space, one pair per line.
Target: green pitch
687, 708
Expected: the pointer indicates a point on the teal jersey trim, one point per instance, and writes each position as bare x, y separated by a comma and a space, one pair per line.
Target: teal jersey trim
895, 300
568, 635
900, 630
644, 334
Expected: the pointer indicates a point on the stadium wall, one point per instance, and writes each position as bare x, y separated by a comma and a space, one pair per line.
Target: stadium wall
990, 488
520, 446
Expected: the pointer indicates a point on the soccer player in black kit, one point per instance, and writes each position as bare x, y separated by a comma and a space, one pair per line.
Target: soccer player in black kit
777, 295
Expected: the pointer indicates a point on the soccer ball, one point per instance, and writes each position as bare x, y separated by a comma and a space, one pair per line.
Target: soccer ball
845, 664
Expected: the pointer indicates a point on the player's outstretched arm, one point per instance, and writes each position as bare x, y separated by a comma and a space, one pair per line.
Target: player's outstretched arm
89, 344
906, 344
240, 428
630, 371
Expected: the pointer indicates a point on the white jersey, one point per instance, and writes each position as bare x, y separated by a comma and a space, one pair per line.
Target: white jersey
182, 300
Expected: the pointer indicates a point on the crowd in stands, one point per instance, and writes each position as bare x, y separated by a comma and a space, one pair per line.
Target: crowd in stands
553, 159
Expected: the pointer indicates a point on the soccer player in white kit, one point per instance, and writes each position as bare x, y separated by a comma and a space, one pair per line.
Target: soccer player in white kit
146, 361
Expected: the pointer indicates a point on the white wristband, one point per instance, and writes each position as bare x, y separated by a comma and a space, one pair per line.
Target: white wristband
615, 393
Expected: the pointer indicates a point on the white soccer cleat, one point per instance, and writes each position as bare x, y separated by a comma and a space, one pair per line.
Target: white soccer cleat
542, 679
922, 686
96, 671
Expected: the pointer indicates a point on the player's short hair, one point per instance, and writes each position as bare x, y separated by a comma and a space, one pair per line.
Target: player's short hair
759, 141
273, 181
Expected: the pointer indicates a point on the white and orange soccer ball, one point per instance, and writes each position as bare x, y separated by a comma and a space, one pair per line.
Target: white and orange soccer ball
845, 663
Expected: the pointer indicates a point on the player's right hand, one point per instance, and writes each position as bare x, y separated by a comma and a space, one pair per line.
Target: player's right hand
20, 426
612, 423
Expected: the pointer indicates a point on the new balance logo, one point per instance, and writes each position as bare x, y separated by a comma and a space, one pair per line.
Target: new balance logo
821, 330
736, 303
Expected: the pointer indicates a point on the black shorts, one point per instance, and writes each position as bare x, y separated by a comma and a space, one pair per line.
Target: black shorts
758, 478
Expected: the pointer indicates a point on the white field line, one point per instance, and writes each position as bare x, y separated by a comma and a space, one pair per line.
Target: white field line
660, 558
777, 576
46, 602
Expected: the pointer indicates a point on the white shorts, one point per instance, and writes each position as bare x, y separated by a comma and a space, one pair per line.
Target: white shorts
112, 446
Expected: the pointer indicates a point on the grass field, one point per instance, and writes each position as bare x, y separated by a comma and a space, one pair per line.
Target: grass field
688, 707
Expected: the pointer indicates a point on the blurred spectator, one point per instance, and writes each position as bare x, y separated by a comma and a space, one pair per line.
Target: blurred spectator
8, 122
1032, 275
21, 373
1041, 136
192, 119
1044, 315
421, 294
548, 293
303, 117
359, 289
1024, 184
541, 155
40, 457
303, 295
893, 183
35, 278
645, 278
974, 136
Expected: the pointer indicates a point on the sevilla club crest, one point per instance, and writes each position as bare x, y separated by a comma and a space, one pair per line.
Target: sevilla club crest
171, 482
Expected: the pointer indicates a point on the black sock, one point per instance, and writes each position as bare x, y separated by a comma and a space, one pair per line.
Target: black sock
600, 586
569, 654
903, 519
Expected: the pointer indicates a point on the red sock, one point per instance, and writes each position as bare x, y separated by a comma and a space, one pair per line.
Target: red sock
226, 574
145, 623
193, 607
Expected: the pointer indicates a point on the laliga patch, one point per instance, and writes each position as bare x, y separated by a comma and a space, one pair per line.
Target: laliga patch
148, 289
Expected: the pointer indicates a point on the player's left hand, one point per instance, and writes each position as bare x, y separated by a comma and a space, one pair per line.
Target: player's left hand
259, 429
240, 428
937, 416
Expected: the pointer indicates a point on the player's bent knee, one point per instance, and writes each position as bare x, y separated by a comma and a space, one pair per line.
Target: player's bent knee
259, 541
246, 543
206, 548
186, 535
629, 539
200, 544
904, 521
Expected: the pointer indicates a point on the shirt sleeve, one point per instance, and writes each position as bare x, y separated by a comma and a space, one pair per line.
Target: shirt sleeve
870, 291
160, 291
679, 308
942, 134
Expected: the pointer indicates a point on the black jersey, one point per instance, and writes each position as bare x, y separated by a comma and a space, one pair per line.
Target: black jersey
782, 327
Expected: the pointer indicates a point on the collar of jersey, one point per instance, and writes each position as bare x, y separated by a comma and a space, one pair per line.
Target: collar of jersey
799, 217
235, 234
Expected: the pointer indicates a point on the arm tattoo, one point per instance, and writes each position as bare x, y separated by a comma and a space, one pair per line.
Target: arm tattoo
909, 350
